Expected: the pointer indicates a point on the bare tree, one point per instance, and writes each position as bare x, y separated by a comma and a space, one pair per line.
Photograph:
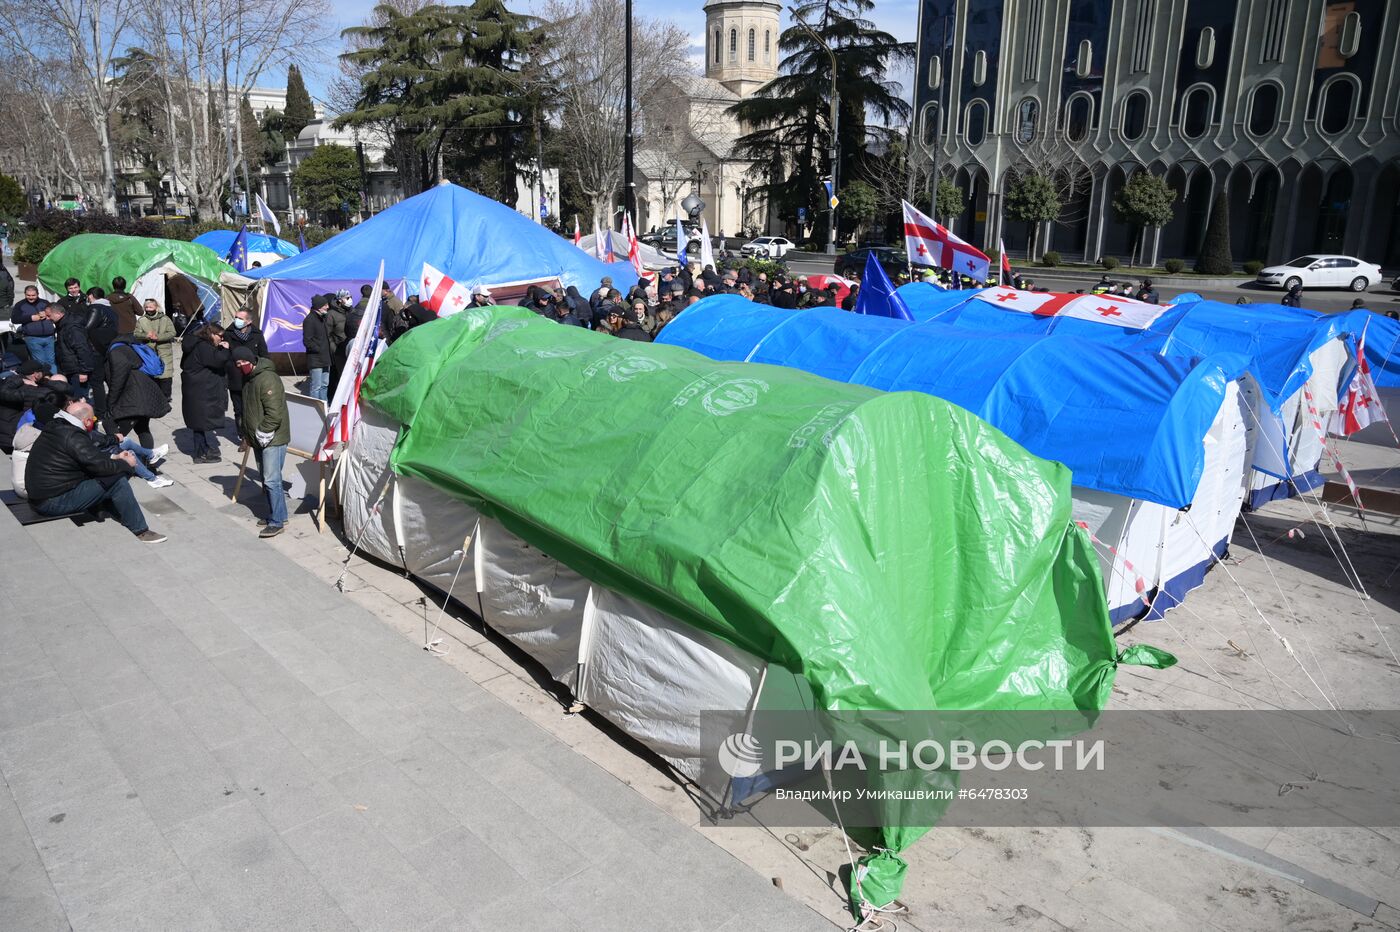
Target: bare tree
1052, 156
209, 56
50, 147
87, 34
587, 67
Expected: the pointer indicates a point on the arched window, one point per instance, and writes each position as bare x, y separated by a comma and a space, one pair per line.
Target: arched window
1135, 115
975, 129
1084, 60
1338, 106
935, 72
767, 45
928, 124
733, 45
1196, 112
1027, 120
1079, 118
717, 46
979, 69
1263, 110
753, 43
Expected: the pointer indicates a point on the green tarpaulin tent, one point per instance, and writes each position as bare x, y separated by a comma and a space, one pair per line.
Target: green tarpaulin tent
96, 258
891, 549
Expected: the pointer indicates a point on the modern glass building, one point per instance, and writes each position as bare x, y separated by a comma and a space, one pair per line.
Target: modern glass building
1289, 107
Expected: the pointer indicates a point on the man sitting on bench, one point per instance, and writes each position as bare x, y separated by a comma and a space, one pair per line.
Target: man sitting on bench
67, 473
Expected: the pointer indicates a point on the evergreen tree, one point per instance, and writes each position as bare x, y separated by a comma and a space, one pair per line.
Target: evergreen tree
249, 134
445, 83
1145, 201
12, 199
272, 138
328, 181
1033, 199
948, 201
300, 110
789, 118
1215, 251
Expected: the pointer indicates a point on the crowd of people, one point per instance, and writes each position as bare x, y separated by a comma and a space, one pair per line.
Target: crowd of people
97, 367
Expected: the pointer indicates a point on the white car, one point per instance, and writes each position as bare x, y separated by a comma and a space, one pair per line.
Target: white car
1322, 272
774, 247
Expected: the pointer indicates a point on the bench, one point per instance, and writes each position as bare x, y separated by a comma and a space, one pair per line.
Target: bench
25, 514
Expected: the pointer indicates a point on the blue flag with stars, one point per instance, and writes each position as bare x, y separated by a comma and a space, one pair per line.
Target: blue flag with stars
301, 240
877, 295
238, 253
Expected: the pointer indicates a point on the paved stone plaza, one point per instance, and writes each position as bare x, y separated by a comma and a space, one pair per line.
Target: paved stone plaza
207, 734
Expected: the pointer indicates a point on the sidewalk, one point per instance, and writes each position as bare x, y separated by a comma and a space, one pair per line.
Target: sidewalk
203, 735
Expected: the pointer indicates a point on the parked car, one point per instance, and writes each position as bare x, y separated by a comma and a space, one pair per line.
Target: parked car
852, 264
1320, 271
772, 247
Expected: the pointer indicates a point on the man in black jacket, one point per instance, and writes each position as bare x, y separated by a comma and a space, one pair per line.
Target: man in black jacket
67, 473
34, 327
18, 393
73, 351
75, 302
316, 338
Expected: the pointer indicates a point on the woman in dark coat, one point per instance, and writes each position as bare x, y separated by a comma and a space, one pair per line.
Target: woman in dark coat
133, 397
204, 387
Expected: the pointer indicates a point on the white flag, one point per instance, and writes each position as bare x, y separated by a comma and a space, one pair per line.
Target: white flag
267, 215
707, 250
597, 241
442, 295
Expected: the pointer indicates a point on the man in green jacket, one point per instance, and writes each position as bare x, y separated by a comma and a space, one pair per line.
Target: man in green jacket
267, 426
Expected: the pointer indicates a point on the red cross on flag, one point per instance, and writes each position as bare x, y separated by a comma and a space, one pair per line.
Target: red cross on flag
1361, 405
1120, 312
440, 294
928, 242
365, 346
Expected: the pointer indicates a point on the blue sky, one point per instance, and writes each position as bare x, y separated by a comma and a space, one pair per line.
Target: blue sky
898, 17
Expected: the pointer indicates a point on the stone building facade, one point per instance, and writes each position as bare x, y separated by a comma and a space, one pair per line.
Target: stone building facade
1289, 107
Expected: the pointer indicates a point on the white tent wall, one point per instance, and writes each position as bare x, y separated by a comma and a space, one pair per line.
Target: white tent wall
649, 674
151, 286
364, 478
1160, 542
1304, 442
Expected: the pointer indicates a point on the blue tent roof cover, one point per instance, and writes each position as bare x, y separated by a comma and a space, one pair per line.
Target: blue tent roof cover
1278, 341
1130, 423
221, 241
473, 239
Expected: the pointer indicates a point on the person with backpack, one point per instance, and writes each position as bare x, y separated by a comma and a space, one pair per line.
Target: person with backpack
155, 329
133, 397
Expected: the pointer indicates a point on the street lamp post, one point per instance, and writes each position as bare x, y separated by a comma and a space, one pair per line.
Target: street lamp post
629, 196
835, 145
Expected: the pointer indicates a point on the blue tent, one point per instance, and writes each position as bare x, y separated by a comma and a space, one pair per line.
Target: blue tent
472, 239
1128, 423
221, 241
1278, 340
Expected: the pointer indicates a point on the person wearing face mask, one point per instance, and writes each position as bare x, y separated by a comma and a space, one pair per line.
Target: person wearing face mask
267, 425
68, 473
155, 329
242, 333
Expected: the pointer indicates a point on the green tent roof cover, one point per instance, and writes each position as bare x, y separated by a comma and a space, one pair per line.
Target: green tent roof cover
95, 258
892, 549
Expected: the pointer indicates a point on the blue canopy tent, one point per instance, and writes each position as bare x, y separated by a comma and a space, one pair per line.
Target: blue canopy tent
259, 245
472, 239
1286, 351
1131, 426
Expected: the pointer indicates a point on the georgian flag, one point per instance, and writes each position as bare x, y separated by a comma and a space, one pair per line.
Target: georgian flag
597, 241
1006, 275
578, 234
344, 408
1103, 309
634, 249
1362, 404
929, 242
440, 294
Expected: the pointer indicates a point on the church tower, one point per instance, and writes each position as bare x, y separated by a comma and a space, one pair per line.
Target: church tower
741, 43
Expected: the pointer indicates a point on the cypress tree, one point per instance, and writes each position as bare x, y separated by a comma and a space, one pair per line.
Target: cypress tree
300, 110
1215, 251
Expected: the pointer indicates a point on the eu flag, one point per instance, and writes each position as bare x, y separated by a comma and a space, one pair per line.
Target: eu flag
301, 240
878, 297
238, 254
